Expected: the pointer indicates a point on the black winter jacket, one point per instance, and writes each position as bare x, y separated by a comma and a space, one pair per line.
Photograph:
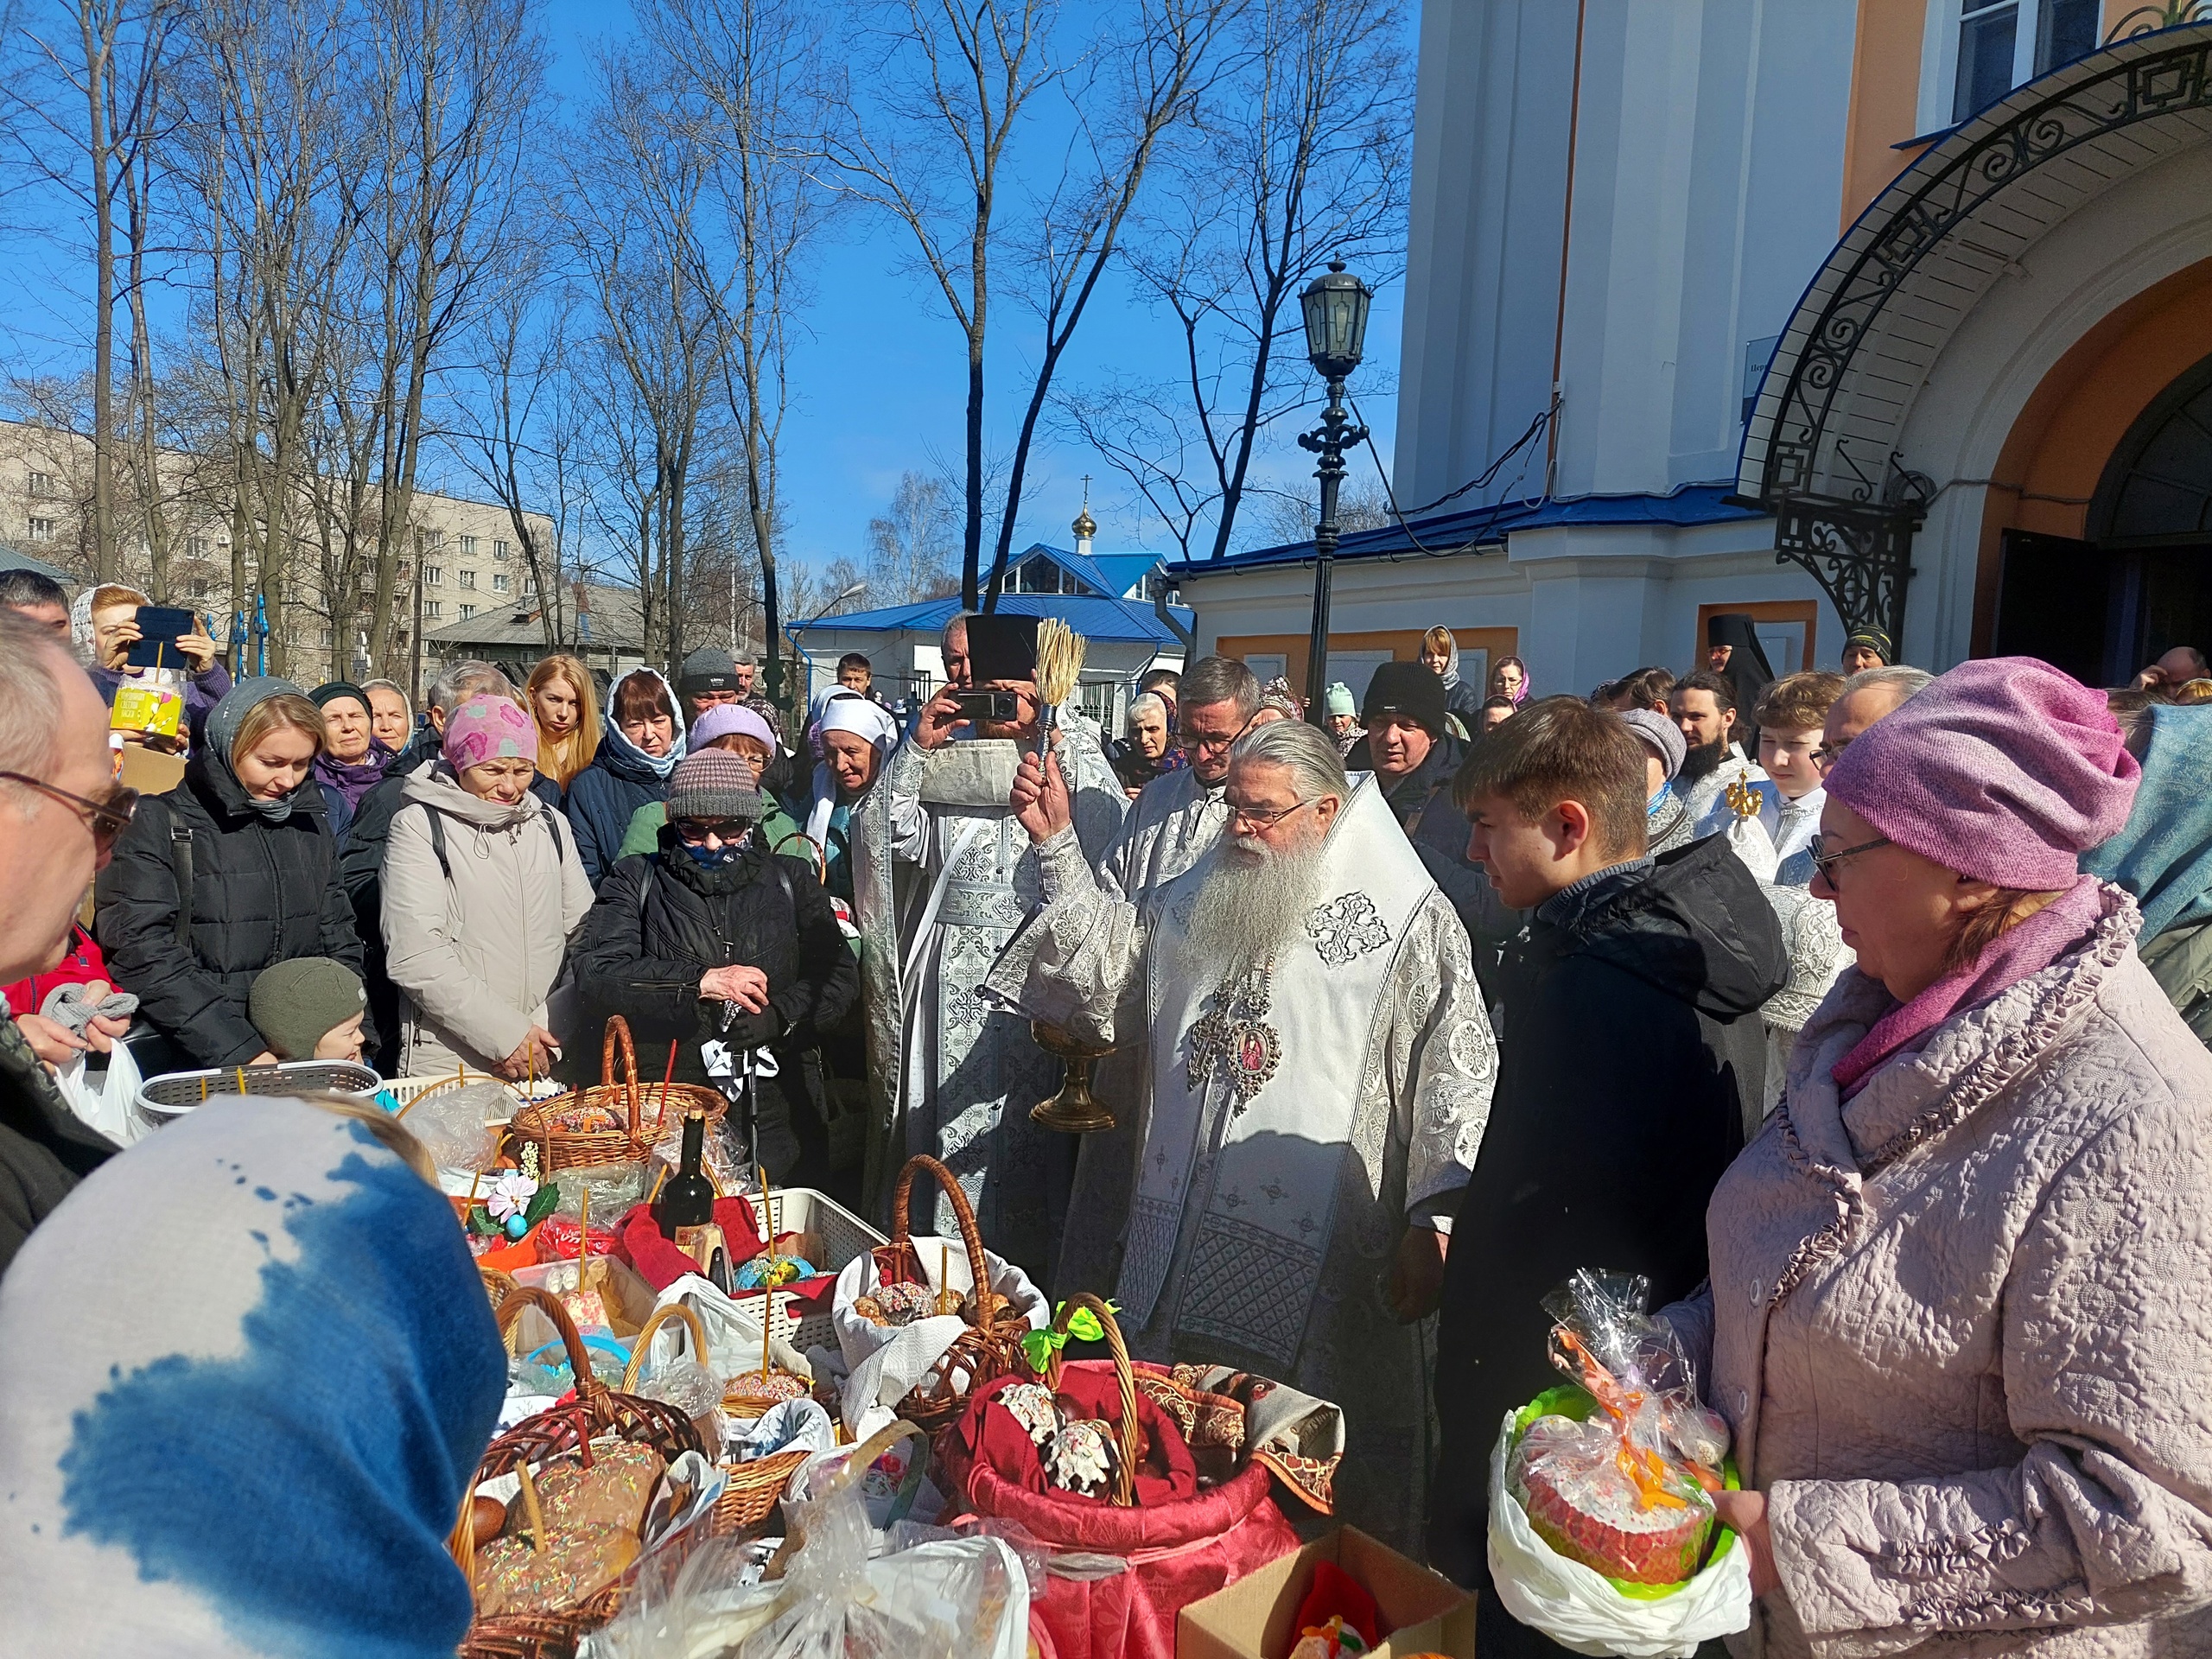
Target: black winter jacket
45, 1149
263, 893
661, 922
1630, 1036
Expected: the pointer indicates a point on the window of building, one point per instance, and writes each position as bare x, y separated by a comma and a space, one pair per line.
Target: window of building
499, 581
327, 636
435, 575
195, 547
500, 550
2002, 43
468, 578
467, 612
1042, 575
468, 546
42, 530
41, 483
433, 608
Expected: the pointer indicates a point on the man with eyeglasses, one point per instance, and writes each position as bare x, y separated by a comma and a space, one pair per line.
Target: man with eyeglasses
1175, 821
61, 810
1317, 1070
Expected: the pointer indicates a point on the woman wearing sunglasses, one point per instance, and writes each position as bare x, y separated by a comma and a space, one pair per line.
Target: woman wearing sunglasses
715, 938
1957, 1311
232, 871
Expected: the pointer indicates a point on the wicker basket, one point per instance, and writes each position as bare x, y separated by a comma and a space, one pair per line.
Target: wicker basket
595, 1413
1124, 1493
991, 1346
643, 1114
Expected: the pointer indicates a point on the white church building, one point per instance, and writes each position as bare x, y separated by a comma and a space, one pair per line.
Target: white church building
1895, 312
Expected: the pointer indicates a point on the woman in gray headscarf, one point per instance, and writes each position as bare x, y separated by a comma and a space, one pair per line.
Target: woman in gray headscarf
232, 871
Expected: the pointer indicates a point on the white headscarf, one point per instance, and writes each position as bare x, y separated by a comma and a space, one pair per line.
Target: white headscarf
850, 712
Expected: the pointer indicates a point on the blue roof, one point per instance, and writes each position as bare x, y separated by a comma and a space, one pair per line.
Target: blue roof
1111, 574
1454, 532
1094, 618
1125, 570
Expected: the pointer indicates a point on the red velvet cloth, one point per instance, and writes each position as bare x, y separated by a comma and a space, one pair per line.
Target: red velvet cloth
660, 1264
1165, 1471
1179, 1551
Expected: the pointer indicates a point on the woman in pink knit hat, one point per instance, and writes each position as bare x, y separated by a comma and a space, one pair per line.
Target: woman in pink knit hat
1956, 1316
482, 888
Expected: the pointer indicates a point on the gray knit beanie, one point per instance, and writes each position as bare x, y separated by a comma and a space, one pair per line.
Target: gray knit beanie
295, 1004
711, 784
1661, 736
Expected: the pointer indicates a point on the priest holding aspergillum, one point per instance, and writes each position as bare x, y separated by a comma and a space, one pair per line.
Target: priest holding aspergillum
1320, 1073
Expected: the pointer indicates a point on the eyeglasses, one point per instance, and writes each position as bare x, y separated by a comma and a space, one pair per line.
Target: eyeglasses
693, 831
1262, 818
1828, 753
107, 819
1826, 862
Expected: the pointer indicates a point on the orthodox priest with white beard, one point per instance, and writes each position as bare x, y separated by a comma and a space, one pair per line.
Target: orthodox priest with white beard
1320, 1074
969, 1071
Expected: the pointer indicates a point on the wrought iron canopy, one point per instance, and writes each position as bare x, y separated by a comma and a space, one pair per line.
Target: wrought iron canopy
1821, 446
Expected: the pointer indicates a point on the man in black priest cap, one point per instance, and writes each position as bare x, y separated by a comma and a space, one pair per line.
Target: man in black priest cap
969, 1071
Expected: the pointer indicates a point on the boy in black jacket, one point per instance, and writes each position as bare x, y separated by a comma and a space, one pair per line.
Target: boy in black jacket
1629, 1038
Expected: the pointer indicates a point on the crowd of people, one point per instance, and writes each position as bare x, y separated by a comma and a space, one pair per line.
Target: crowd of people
1864, 1013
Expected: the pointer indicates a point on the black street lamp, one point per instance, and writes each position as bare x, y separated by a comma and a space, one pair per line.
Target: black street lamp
1336, 328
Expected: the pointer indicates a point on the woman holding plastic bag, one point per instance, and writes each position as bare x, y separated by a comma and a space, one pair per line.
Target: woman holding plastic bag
1956, 1319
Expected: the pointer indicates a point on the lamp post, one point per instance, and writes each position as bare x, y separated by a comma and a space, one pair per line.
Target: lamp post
791, 630
1336, 328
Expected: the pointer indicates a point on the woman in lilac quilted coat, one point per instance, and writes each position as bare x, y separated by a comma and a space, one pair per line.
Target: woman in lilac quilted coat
1961, 1308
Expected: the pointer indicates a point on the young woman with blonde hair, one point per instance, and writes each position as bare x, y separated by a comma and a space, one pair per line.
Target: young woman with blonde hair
564, 701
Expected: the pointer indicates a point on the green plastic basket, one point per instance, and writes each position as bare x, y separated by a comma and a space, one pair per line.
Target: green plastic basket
1575, 1403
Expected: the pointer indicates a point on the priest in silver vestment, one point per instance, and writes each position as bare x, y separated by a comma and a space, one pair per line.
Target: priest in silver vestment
1173, 823
1319, 1076
969, 1071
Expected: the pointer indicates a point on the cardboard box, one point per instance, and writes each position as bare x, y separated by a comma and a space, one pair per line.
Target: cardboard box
148, 771
1253, 1617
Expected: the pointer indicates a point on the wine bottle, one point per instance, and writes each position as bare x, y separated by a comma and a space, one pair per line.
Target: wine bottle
687, 1199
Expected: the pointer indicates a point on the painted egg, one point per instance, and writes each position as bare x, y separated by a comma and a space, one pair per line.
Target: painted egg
516, 1226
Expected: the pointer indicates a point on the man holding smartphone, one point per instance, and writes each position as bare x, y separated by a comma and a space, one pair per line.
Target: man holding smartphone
971, 1072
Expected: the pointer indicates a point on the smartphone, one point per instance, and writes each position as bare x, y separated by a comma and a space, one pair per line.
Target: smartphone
160, 627
1003, 707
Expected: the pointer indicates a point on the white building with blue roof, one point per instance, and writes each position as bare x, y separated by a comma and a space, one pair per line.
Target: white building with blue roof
1119, 603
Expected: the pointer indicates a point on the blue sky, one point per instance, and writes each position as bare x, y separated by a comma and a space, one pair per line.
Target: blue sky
882, 373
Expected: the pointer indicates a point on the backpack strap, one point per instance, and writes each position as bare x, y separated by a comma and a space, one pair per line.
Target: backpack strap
180, 863
438, 841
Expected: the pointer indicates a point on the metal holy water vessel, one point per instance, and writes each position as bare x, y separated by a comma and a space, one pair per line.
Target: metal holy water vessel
1075, 1110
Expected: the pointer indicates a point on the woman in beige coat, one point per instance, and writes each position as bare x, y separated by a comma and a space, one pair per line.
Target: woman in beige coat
482, 888
1958, 1314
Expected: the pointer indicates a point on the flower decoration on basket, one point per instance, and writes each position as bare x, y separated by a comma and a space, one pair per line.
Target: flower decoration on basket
772, 1271
515, 1202
1039, 1346
1085, 1458
1626, 1489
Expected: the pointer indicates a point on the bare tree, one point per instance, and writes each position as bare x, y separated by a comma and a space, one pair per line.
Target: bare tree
88, 127
1302, 155
640, 180
751, 92
910, 543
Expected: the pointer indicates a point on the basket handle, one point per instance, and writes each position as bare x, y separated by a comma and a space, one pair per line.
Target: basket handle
963, 1212
587, 1384
617, 1032
1125, 1474
642, 1342
814, 855
856, 1466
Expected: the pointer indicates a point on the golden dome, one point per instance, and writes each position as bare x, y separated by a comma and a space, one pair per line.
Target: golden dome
1085, 526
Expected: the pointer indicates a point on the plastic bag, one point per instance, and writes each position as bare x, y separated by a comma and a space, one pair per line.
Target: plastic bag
1612, 1478
838, 1600
106, 1106
1582, 1610
453, 1124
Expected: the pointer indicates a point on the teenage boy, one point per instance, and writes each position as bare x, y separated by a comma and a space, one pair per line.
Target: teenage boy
1791, 714
1630, 1035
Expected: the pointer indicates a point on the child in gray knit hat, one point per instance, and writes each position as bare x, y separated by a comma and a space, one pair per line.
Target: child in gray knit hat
310, 1008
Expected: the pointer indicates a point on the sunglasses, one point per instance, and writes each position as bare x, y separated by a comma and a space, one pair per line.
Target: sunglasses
695, 831
107, 819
